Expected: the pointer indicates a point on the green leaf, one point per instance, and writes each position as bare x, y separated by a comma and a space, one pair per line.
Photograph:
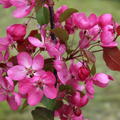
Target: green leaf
61, 33
42, 16
67, 88
51, 104
41, 113
93, 69
67, 13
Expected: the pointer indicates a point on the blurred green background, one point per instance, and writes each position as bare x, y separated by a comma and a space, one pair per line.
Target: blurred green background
106, 105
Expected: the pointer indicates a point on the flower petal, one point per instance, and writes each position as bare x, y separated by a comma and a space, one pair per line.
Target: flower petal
50, 91
36, 42
38, 62
24, 59
34, 97
17, 72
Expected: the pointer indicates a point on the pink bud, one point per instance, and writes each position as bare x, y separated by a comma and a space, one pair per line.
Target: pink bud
16, 31
83, 72
101, 79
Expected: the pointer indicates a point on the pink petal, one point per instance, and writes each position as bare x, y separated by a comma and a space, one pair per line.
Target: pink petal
49, 78
4, 41
12, 103
17, 98
34, 97
50, 92
21, 12
17, 72
3, 96
36, 42
24, 86
38, 62
24, 59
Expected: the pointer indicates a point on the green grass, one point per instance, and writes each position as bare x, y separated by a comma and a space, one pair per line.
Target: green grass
106, 104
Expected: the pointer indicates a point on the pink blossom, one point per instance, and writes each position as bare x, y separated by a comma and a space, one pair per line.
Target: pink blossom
55, 50
62, 71
78, 99
7, 93
23, 7
38, 86
27, 67
107, 37
101, 79
81, 21
105, 19
94, 32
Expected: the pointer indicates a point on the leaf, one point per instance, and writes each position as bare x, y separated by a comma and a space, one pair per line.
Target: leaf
93, 69
51, 104
90, 56
67, 13
41, 113
61, 33
112, 58
49, 64
66, 88
42, 16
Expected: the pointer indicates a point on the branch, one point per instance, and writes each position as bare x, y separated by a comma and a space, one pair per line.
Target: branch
51, 10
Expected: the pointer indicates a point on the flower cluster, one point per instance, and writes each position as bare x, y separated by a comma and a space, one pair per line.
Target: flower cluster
34, 67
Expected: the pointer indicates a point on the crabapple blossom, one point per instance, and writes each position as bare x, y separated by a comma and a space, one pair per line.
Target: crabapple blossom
56, 70
38, 86
27, 66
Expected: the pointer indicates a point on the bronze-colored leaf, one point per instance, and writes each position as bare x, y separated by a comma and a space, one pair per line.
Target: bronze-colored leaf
112, 58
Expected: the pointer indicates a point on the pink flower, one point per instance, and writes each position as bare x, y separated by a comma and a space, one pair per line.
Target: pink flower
81, 21
23, 7
107, 37
101, 79
7, 93
78, 99
27, 67
105, 19
38, 86
16, 31
62, 71
94, 32
5, 3
55, 50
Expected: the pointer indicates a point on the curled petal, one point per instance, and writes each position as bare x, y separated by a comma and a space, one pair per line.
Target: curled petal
36, 42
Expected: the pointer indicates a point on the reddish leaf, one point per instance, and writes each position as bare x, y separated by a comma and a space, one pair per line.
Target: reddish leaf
118, 30
112, 58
